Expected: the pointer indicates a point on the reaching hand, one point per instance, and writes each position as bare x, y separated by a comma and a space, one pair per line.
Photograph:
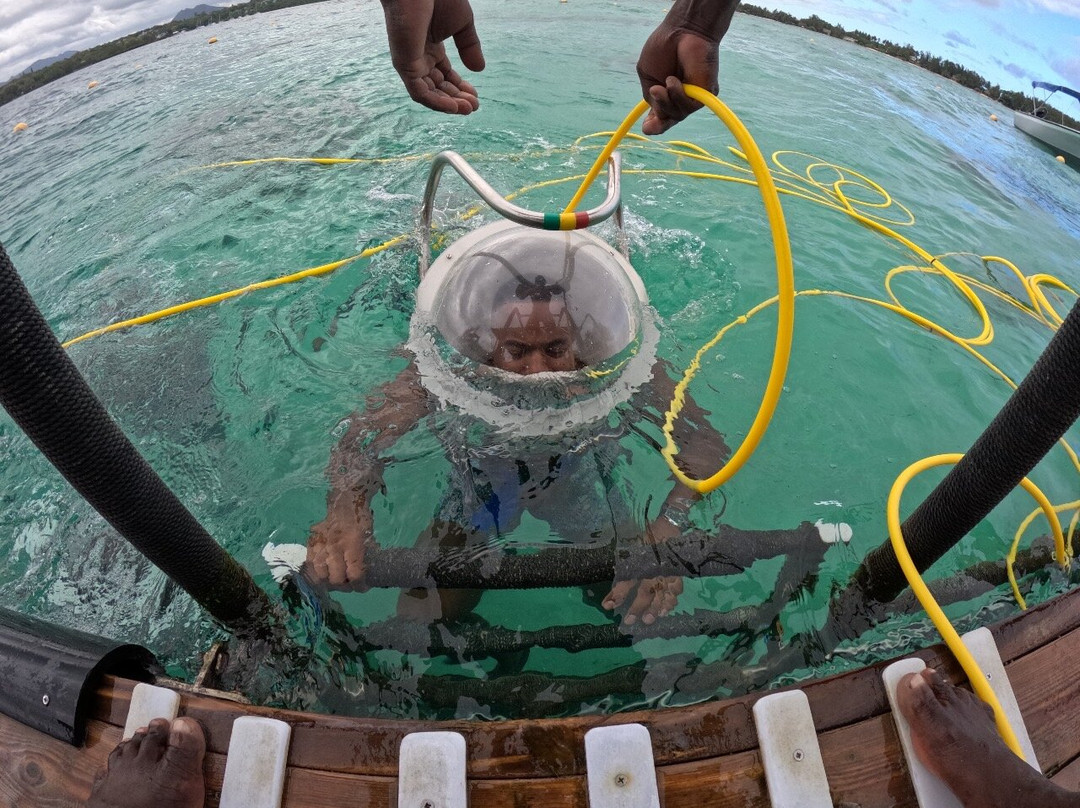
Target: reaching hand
416, 30
673, 55
336, 546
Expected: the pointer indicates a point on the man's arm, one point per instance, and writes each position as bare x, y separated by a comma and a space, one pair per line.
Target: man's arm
337, 544
701, 451
685, 48
416, 30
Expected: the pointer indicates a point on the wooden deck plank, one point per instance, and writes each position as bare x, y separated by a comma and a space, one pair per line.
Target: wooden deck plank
1037, 626
38, 770
862, 760
1068, 776
865, 765
1046, 687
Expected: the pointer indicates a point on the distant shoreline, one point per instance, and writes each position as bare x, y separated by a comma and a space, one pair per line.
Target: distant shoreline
20, 85
25, 83
906, 53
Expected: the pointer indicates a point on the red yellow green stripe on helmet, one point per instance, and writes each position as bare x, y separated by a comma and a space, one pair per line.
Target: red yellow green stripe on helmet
566, 221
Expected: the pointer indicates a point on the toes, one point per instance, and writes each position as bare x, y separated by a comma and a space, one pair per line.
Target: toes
187, 745
130, 747
917, 698
943, 691
955, 698
154, 742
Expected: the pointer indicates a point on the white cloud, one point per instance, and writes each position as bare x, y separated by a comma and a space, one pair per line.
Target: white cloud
1069, 8
38, 29
1069, 68
956, 38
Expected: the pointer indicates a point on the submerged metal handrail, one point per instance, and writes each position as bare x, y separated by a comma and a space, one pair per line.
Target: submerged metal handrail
508, 210
724, 550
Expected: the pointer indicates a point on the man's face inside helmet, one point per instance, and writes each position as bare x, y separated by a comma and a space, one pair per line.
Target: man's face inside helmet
534, 336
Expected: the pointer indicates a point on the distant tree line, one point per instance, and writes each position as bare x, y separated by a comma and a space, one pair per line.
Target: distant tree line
31, 81
943, 67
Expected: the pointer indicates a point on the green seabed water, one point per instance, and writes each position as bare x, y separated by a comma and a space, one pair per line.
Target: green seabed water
108, 215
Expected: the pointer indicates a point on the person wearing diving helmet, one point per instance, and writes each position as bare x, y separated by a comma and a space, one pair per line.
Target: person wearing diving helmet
539, 336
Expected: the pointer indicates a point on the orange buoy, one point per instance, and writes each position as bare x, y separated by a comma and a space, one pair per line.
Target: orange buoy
993, 117
20, 126
211, 40
1060, 158
91, 85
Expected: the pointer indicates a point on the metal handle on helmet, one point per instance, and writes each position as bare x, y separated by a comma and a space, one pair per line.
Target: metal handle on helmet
547, 221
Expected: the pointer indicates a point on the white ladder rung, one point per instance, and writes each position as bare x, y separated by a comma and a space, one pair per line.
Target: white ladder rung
431, 770
930, 791
619, 767
794, 771
980, 643
255, 766
147, 703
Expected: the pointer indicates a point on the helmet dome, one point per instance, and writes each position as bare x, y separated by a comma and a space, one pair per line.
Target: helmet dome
508, 275
506, 280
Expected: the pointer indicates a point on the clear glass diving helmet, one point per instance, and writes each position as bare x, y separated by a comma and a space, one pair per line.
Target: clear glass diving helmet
532, 330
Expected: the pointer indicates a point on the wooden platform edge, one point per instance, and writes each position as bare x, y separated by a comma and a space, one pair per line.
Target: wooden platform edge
704, 753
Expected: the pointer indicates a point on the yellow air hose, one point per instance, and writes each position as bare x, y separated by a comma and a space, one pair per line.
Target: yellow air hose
222, 296
834, 192
937, 616
785, 298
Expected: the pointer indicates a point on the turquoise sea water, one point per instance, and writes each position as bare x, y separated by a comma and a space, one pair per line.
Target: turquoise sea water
110, 213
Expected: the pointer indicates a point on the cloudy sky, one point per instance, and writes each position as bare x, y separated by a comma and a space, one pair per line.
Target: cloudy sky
1009, 42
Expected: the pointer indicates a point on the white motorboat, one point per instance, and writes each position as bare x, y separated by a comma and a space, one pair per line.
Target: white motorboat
1064, 139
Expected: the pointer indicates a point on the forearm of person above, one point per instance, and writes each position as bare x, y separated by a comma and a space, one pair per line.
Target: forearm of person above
416, 30
684, 48
337, 544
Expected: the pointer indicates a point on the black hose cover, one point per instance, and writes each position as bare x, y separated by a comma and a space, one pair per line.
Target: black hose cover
47, 397
49, 673
1035, 417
